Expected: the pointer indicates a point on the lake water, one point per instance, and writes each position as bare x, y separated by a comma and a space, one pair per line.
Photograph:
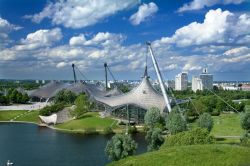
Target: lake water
30, 145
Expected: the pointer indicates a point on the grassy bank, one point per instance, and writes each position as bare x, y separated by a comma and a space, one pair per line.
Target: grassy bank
195, 155
90, 121
19, 115
8, 115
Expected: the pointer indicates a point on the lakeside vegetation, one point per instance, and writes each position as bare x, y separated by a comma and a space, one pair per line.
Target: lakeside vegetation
224, 124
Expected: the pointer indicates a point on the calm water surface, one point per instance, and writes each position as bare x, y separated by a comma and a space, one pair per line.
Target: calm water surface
30, 145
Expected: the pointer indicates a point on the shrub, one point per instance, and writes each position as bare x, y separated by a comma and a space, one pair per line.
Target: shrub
245, 140
205, 121
120, 146
245, 121
192, 137
152, 116
154, 138
175, 122
108, 130
48, 110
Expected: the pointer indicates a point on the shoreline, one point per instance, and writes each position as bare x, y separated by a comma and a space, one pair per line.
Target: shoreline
66, 130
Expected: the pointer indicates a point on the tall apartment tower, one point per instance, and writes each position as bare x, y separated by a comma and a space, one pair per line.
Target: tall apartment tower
196, 83
207, 79
181, 81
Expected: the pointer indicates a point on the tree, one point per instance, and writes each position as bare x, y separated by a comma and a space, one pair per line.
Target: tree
120, 146
154, 138
205, 121
25, 98
152, 117
65, 96
245, 121
82, 105
175, 122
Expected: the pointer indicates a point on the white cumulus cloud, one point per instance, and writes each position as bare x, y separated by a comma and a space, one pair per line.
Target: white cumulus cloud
81, 13
200, 4
100, 39
61, 64
218, 27
145, 11
40, 38
5, 29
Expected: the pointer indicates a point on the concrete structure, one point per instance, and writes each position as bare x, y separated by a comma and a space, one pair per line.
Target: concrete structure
181, 81
207, 79
196, 84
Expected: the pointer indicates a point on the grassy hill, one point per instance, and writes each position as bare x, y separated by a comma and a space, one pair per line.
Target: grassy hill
194, 155
87, 121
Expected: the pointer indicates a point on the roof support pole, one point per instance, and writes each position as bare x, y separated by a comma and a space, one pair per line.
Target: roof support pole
158, 73
106, 75
73, 66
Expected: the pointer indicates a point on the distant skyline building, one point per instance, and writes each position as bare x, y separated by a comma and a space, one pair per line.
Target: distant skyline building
171, 84
207, 79
204, 81
181, 81
196, 83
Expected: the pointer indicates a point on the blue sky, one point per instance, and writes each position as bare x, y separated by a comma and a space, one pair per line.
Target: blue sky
41, 39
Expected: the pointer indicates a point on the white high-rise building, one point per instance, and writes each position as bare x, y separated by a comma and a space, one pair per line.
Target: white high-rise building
196, 84
181, 81
207, 79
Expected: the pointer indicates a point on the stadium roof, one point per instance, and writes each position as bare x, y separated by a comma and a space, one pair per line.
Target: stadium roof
51, 89
144, 96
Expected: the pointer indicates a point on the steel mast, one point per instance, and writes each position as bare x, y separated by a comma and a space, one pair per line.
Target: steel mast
74, 73
159, 77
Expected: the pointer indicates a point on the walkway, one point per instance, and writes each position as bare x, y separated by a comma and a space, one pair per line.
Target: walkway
33, 106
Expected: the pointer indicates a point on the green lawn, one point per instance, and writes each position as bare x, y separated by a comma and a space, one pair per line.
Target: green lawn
8, 115
23, 115
194, 155
30, 117
227, 125
89, 120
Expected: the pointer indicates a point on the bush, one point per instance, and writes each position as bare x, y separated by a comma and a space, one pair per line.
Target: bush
192, 137
175, 122
48, 110
152, 117
108, 131
245, 121
245, 140
120, 146
154, 138
205, 121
